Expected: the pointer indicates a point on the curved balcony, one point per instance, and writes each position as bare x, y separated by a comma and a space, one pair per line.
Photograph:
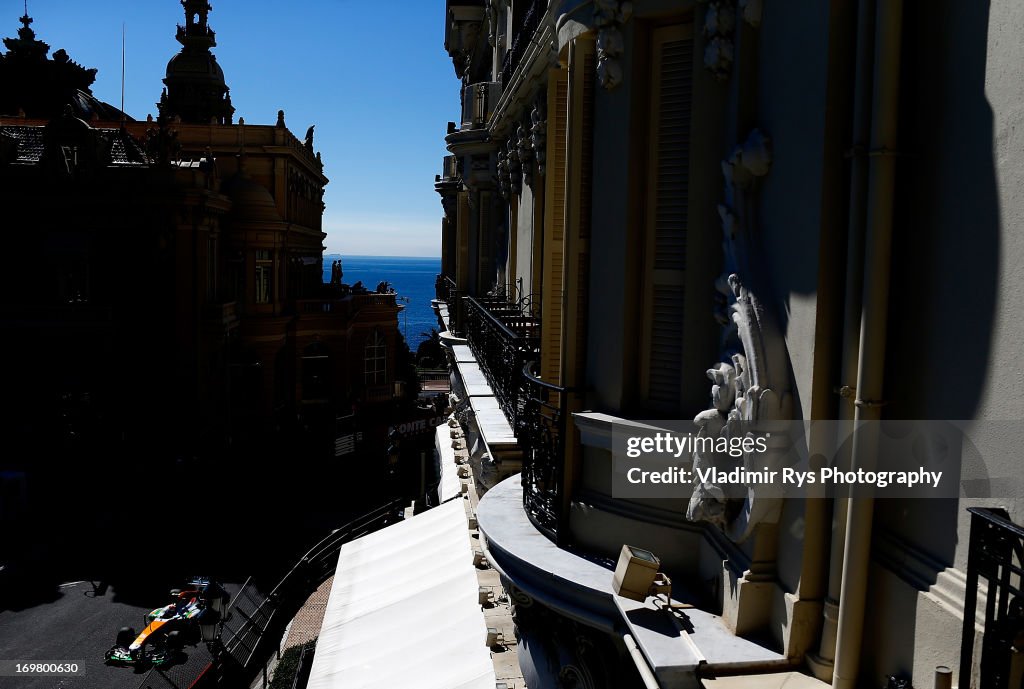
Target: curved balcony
578, 585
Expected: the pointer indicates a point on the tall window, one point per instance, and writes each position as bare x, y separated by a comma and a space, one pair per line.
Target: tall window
667, 216
375, 359
264, 276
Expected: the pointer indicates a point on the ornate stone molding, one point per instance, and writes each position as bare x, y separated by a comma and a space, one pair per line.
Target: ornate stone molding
720, 26
524, 146
504, 176
514, 167
491, 17
751, 384
609, 17
539, 135
719, 23
751, 11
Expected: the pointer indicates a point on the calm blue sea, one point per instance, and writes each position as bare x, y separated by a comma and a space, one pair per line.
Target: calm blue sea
411, 277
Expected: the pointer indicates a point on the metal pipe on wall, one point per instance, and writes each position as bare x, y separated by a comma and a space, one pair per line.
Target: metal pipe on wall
874, 317
822, 662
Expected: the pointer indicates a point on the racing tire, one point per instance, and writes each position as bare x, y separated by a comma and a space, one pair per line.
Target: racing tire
175, 593
125, 637
175, 642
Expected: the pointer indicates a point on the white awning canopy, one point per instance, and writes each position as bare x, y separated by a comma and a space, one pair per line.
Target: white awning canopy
449, 486
404, 610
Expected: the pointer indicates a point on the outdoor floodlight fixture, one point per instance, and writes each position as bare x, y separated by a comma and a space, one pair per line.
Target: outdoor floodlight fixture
208, 625
635, 573
215, 614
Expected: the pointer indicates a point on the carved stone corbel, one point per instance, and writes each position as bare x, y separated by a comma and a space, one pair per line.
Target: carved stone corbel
525, 149
609, 17
539, 136
751, 11
491, 17
514, 168
719, 23
504, 177
751, 388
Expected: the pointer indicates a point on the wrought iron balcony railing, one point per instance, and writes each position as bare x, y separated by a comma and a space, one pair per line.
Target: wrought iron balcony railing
996, 554
522, 36
504, 335
444, 287
503, 339
541, 433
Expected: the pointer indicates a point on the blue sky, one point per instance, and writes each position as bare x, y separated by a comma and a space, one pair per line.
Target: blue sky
372, 75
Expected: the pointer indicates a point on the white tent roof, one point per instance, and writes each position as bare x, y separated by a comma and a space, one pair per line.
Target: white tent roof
449, 485
404, 610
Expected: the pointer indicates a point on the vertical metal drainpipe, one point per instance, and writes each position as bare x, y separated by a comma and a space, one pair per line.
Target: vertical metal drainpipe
822, 662
874, 316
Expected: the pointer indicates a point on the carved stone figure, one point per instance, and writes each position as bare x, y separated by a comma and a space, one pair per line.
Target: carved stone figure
609, 16
525, 149
719, 24
751, 10
538, 136
751, 385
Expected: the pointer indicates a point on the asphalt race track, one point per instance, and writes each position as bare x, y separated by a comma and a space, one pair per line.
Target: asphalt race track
76, 625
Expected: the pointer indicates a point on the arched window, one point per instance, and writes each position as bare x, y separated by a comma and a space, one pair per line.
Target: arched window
375, 359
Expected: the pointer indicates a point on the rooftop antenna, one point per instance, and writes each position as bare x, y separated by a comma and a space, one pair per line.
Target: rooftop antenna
122, 70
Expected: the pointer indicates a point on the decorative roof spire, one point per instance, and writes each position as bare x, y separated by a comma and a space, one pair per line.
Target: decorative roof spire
196, 90
26, 46
196, 32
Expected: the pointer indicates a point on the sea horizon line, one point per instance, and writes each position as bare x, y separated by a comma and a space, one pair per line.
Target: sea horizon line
435, 258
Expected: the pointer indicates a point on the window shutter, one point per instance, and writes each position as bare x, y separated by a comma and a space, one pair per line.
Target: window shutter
667, 215
584, 78
554, 228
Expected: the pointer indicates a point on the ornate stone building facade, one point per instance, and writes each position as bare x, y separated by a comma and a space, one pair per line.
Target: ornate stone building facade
646, 197
169, 271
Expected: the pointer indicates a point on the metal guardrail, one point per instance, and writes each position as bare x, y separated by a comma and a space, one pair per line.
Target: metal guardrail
305, 665
995, 554
255, 622
184, 675
266, 621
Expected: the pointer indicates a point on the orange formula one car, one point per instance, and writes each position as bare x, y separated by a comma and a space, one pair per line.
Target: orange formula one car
167, 629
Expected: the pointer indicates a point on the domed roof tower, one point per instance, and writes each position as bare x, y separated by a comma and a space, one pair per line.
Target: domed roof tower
196, 91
